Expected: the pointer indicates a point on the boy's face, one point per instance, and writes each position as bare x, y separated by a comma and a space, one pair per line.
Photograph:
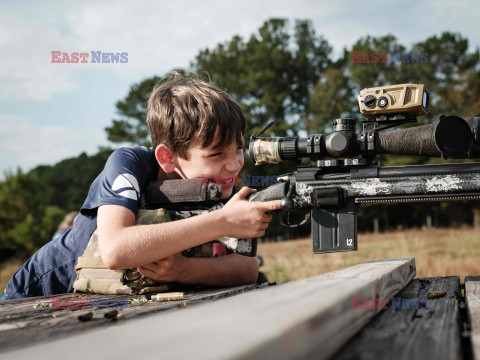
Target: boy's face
223, 165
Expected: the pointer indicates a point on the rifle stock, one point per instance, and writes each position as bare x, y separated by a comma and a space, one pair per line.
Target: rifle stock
183, 198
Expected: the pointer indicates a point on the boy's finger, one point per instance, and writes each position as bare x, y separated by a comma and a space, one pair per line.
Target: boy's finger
244, 192
270, 205
267, 217
147, 272
143, 271
150, 266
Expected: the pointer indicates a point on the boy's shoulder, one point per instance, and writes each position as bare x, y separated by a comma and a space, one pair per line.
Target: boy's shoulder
137, 153
126, 173
134, 160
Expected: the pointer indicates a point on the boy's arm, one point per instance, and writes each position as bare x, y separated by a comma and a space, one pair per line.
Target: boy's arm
228, 270
123, 245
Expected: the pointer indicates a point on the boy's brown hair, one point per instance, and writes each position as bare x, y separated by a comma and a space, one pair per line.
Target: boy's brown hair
182, 110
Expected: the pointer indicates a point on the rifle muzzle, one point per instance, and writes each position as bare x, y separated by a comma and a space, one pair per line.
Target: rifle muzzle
449, 137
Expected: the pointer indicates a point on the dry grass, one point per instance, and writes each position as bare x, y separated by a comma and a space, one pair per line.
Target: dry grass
437, 252
7, 269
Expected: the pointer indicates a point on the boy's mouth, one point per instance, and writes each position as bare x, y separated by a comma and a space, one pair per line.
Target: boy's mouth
229, 181
223, 182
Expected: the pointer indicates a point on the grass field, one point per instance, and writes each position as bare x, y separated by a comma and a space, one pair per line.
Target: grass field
7, 269
437, 252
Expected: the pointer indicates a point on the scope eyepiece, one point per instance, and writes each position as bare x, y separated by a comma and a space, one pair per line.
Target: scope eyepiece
275, 149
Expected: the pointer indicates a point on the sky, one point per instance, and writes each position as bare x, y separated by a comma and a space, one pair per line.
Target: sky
52, 111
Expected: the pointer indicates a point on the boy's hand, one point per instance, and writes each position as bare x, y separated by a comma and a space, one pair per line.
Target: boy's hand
169, 269
247, 219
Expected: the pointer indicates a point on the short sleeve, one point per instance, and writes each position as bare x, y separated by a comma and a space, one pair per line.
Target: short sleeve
121, 182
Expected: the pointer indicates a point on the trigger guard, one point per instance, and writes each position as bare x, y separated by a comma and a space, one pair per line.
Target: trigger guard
306, 220
291, 226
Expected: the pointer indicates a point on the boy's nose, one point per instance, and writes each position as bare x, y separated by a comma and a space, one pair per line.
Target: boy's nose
234, 166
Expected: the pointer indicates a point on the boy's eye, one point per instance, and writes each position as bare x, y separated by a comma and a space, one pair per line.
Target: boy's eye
219, 153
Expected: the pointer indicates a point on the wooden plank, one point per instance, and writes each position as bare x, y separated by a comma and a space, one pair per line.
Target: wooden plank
472, 299
21, 322
280, 322
424, 329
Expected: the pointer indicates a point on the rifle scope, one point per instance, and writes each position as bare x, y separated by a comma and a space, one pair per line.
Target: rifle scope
449, 137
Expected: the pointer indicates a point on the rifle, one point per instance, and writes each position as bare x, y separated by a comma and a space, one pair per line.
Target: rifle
346, 174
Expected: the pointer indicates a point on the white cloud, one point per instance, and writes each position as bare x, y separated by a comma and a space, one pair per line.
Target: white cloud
25, 144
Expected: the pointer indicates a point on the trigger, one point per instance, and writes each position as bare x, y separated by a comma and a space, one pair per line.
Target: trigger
280, 220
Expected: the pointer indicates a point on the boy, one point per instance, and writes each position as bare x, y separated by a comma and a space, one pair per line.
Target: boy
196, 130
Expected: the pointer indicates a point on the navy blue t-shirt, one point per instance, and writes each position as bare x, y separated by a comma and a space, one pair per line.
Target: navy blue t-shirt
51, 270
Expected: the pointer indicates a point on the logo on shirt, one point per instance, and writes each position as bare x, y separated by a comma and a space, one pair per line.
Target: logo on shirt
126, 185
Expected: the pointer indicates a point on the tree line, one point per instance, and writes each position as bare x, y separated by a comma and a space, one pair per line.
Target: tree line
285, 71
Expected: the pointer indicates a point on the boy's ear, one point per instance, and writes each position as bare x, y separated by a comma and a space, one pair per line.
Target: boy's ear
164, 157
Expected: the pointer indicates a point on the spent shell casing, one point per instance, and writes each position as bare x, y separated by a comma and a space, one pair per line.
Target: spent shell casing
112, 314
436, 294
168, 296
85, 316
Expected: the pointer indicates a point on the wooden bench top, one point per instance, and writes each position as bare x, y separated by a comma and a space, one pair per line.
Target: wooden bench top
336, 315
34, 320
284, 321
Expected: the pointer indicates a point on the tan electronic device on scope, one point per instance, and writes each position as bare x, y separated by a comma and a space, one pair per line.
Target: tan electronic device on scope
407, 99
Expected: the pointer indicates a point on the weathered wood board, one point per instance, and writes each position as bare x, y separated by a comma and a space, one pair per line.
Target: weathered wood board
413, 327
22, 322
472, 299
288, 321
